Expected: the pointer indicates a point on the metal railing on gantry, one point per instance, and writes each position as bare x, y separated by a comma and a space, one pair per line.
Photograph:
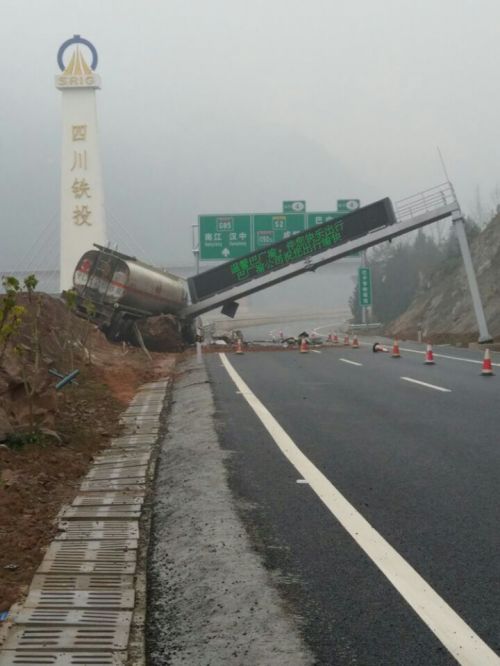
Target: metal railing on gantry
426, 202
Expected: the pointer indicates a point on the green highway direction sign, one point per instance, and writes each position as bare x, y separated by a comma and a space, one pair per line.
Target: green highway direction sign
269, 229
318, 218
225, 237
365, 286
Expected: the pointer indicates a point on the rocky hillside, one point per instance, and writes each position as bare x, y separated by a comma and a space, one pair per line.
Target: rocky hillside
444, 306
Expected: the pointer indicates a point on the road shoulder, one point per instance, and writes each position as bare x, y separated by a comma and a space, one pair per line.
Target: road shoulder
210, 599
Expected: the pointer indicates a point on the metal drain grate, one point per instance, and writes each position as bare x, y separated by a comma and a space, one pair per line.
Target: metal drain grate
76, 566
125, 511
26, 637
99, 599
96, 551
139, 422
147, 403
130, 460
145, 408
81, 582
151, 405
144, 417
105, 618
29, 658
115, 473
132, 449
106, 499
124, 452
122, 485
161, 384
132, 441
78, 609
142, 426
92, 530
141, 429
145, 413
122, 462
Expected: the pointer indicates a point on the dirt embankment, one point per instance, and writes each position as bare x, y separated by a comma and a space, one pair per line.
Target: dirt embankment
77, 422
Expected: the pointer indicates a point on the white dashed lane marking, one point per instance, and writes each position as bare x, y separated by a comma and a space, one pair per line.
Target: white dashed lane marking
457, 636
345, 360
432, 386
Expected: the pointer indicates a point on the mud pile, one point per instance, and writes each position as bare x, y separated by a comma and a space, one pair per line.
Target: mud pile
161, 333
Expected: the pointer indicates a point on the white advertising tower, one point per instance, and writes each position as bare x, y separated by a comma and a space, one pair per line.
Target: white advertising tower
83, 219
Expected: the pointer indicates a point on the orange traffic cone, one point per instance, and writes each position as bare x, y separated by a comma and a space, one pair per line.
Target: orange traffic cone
395, 350
487, 370
303, 346
239, 348
429, 356
335, 338
355, 343
346, 340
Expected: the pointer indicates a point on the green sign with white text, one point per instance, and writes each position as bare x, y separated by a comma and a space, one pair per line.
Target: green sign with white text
319, 218
347, 205
229, 236
269, 229
294, 206
224, 237
365, 286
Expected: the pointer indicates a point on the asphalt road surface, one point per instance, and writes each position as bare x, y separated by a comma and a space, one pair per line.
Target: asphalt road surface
374, 499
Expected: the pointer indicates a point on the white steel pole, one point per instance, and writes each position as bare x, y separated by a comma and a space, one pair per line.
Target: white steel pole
458, 223
363, 307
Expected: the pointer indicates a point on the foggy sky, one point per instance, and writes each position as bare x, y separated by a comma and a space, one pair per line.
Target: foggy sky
236, 105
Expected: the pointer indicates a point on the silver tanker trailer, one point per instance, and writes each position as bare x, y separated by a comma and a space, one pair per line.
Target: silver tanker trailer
121, 290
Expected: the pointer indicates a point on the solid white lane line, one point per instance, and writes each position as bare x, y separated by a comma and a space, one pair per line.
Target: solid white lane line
315, 351
432, 386
346, 360
453, 358
461, 641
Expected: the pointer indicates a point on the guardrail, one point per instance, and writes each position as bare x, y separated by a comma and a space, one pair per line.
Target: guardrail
362, 327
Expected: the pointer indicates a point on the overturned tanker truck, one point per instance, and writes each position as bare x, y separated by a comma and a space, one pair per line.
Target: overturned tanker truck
119, 293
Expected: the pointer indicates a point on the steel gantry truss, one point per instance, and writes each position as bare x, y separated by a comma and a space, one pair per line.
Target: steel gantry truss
414, 212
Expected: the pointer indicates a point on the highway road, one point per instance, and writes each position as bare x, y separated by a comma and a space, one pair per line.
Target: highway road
371, 487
